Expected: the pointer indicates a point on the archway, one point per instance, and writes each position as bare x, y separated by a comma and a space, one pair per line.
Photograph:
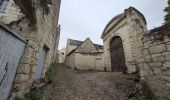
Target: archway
117, 55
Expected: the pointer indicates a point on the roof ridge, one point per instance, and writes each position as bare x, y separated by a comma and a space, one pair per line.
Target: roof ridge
78, 43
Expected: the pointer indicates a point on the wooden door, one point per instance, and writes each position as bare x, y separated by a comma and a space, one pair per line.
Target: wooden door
40, 65
11, 50
117, 55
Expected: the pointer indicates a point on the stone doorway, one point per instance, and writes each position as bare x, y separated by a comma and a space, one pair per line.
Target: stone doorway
117, 55
40, 65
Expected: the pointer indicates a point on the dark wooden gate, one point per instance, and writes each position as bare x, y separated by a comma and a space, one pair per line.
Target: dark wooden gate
117, 55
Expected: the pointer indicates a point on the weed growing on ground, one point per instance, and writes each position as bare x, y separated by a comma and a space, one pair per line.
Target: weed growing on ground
18, 98
35, 94
147, 92
133, 98
49, 75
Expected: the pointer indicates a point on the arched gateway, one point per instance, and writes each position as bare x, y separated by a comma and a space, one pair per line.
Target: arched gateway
117, 55
122, 41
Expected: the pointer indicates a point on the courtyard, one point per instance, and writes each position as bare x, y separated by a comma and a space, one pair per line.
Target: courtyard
70, 84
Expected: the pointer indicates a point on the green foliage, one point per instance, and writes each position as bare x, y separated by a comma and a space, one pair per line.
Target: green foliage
167, 16
49, 75
18, 98
147, 92
34, 95
50, 98
133, 98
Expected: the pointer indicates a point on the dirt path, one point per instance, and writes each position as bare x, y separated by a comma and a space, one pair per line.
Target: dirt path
83, 85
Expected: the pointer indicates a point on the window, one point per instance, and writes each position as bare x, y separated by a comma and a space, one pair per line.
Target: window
3, 5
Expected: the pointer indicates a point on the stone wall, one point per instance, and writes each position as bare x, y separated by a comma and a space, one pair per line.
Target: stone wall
62, 55
56, 44
12, 13
79, 61
70, 60
69, 48
147, 52
88, 61
155, 67
84, 55
129, 26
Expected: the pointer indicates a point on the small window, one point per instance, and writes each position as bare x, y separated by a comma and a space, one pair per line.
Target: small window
3, 5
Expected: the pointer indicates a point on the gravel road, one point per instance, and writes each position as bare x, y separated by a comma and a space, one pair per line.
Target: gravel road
69, 84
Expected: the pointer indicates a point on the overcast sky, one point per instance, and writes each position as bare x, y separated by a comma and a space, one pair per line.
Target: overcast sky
80, 19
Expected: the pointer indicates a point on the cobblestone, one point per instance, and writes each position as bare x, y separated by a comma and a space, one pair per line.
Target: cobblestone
85, 85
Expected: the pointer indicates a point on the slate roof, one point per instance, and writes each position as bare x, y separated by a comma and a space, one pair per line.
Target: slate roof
75, 42
98, 46
78, 43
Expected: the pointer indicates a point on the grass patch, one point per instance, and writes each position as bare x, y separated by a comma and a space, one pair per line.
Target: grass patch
147, 92
35, 94
49, 75
133, 98
18, 98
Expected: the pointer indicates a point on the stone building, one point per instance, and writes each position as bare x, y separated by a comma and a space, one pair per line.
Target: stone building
9, 11
119, 37
55, 58
130, 47
62, 55
39, 27
84, 55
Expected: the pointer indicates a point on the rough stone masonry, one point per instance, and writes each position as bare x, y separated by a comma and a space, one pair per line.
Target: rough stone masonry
147, 52
39, 28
